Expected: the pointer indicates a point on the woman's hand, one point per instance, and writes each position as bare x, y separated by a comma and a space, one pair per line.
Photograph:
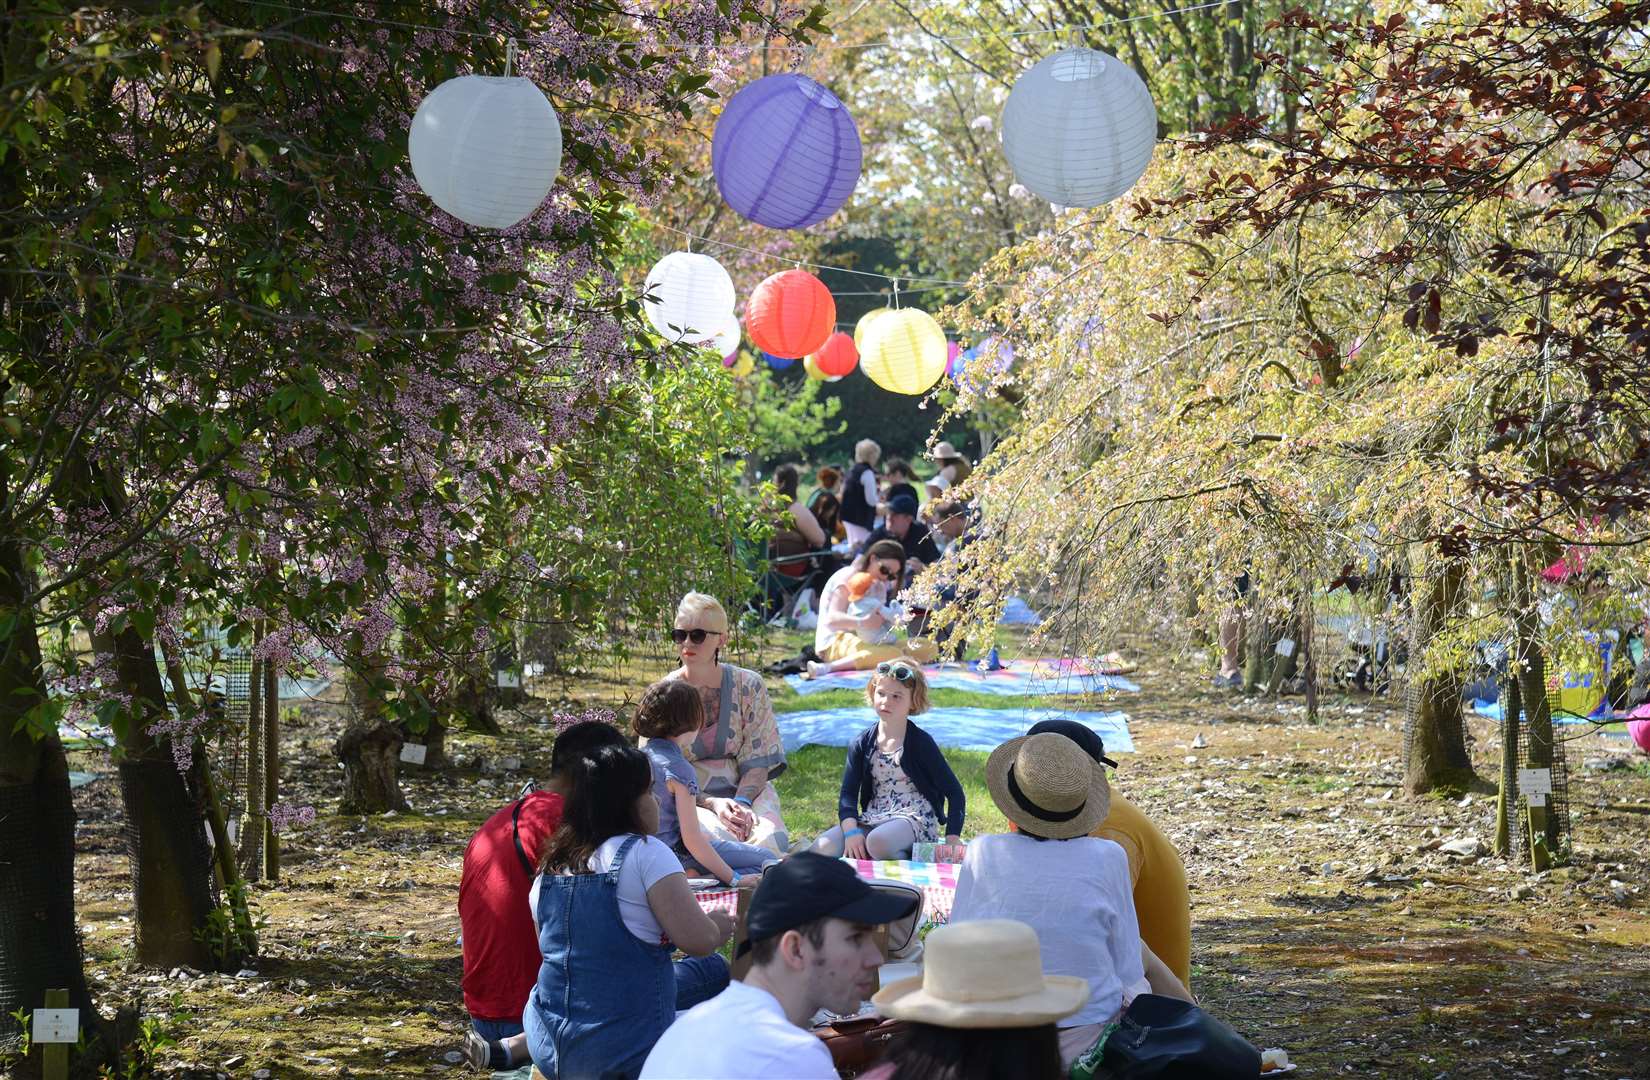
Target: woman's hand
724, 924
737, 819
872, 622
854, 846
951, 851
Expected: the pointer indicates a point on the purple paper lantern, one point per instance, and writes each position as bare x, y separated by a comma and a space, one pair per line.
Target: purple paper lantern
778, 363
952, 351
786, 153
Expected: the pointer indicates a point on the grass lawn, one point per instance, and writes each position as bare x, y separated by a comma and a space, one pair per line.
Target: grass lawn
808, 790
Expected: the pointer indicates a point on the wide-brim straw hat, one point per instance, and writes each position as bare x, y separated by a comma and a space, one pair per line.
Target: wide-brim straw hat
985, 973
943, 451
1048, 786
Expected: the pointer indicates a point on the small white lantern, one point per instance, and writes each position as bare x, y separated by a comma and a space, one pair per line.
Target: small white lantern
1079, 128
726, 341
486, 149
691, 297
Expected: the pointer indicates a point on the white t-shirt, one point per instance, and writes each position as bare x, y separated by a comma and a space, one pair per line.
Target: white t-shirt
648, 861
1076, 895
836, 583
740, 1034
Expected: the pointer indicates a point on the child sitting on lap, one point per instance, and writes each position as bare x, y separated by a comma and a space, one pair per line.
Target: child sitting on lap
860, 604
671, 712
896, 787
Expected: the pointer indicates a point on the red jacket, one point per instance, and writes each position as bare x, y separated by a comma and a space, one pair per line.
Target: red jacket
501, 949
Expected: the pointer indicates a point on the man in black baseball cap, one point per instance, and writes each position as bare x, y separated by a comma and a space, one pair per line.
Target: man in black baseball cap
811, 939
913, 535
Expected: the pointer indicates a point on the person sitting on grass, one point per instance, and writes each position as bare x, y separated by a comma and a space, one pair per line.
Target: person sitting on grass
896, 785
812, 944
501, 958
843, 641
1162, 903
981, 1009
1068, 886
671, 711
610, 903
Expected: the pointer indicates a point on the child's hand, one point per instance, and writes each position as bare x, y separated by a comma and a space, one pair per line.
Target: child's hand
854, 847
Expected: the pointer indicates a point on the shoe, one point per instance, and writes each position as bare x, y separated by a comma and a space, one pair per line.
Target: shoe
484, 1056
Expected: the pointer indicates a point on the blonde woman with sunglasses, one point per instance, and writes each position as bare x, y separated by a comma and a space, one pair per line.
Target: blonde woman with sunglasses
737, 752
897, 787
845, 641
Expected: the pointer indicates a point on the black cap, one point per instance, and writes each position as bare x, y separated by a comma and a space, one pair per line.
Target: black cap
903, 504
809, 886
1085, 737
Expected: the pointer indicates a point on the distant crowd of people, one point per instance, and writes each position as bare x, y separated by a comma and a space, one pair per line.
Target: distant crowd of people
587, 953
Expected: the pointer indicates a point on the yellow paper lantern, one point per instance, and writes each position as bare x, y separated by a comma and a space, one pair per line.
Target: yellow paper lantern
904, 352
808, 365
863, 327
743, 366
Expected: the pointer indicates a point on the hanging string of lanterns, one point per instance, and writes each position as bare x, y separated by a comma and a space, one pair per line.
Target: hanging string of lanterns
1078, 129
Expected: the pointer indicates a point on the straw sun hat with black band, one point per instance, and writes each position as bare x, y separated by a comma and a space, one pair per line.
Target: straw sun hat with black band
1048, 786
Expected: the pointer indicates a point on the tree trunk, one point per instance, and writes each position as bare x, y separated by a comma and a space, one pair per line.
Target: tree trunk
39, 943
1257, 672
171, 860
272, 767
370, 749
1531, 667
255, 824
1435, 744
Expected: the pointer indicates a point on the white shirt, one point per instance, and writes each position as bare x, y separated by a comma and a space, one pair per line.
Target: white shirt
740, 1034
649, 860
836, 583
1076, 895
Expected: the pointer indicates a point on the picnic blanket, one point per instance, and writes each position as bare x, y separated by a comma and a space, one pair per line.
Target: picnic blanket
960, 727
1016, 678
1492, 709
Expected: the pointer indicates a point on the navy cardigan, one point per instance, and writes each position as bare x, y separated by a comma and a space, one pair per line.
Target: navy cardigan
921, 761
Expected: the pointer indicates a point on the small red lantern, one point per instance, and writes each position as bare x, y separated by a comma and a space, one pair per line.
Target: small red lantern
838, 356
790, 314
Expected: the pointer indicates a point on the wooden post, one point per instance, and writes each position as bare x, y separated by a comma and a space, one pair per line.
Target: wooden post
54, 1057
272, 767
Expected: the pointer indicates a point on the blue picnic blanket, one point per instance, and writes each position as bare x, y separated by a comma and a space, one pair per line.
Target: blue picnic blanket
1017, 678
1492, 709
961, 728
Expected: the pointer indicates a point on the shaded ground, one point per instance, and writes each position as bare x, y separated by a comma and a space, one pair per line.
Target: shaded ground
1321, 922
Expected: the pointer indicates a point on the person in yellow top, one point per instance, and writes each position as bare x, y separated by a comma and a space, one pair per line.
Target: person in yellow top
1162, 902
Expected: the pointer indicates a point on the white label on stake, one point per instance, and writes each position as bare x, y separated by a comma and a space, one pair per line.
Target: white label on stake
1286, 647
414, 752
232, 829
1535, 782
509, 679
1536, 798
55, 1026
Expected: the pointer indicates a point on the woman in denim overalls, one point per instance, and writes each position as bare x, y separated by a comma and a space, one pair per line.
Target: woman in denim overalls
604, 995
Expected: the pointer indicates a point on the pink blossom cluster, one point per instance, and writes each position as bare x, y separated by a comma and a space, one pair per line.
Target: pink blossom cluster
561, 721
284, 816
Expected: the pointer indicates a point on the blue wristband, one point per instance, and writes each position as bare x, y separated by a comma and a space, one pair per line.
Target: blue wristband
855, 831
735, 880
742, 800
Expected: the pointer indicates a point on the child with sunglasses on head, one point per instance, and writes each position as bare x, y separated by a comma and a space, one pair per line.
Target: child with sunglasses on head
897, 788
671, 712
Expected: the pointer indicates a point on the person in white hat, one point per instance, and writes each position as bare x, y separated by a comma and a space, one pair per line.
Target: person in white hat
1071, 888
953, 469
982, 1007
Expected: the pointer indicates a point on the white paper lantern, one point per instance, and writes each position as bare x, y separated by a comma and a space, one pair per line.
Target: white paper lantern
1079, 128
726, 341
692, 297
486, 149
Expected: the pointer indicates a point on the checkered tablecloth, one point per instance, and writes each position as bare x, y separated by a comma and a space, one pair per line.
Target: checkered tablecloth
938, 882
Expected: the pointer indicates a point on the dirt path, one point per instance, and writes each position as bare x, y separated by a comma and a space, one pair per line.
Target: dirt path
1322, 922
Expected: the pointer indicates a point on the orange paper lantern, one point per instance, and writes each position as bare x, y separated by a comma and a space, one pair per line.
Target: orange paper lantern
838, 356
790, 314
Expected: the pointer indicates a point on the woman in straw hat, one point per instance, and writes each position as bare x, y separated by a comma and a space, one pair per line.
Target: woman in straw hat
951, 469
982, 1008
1071, 888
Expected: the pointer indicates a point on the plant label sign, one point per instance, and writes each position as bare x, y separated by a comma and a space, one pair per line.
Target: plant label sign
413, 753
1286, 647
509, 680
1535, 785
55, 1026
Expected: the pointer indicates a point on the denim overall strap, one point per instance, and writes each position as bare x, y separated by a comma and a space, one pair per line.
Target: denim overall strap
603, 996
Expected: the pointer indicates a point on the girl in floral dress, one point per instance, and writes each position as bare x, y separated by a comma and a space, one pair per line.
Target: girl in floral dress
897, 789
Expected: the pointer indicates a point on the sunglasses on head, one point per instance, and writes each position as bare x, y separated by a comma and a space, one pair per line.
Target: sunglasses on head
903, 672
697, 635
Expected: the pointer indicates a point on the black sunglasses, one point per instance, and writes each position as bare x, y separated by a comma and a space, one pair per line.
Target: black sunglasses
902, 672
883, 571
697, 635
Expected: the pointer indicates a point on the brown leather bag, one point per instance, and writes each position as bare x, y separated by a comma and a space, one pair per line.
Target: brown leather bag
856, 1045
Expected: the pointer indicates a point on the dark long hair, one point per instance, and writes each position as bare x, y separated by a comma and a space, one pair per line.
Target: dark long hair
931, 1052
785, 480
606, 784
882, 549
